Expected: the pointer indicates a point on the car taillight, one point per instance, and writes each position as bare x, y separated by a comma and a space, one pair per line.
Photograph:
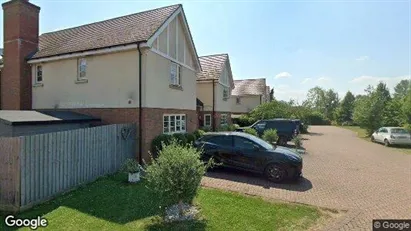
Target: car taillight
295, 131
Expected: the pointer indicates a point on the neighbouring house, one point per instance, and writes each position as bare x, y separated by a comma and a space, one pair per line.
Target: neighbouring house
247, 94
24, 123
267, 94
140, 68
214, 86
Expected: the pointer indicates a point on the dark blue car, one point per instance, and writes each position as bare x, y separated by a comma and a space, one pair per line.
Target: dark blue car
247, 152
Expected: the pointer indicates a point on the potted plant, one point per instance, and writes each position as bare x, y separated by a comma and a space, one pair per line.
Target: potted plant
133, 169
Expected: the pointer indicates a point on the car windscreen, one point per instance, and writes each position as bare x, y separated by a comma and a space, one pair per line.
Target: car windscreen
259, 141
399, 131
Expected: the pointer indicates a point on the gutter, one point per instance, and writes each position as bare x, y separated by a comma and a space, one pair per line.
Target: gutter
213, 112
140, 108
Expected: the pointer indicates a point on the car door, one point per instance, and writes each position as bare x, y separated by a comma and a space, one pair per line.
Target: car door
245, 153
220, 148
382, 132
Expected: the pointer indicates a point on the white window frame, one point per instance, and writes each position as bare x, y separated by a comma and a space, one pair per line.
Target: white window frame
180, 125
37, 74
80, 63
225, 119
205, 120
175, 80
238, 100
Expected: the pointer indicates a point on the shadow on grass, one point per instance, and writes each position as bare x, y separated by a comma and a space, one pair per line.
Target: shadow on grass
177, 226
110, 198
235, 175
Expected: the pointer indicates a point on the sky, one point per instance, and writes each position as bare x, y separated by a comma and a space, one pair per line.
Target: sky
295, 45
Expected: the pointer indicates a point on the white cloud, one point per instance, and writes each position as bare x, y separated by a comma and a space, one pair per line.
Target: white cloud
285, 92
306, 80
363, 58
323, 79
283, 75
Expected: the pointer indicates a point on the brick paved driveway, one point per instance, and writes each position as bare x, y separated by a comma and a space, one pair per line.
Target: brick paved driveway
341, 172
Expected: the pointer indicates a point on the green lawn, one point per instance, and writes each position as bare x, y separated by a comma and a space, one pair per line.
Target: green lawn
111, 204
363, 135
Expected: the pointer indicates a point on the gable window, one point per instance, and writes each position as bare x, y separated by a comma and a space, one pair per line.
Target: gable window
175, 123
39, 74
207, 120
225, 93
82, 67
238, 100
223, 119
175, 74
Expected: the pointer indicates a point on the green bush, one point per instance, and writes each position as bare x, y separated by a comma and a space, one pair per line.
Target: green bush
156, 144
131, 166
304, 129
176, 174
408, 127
180, 137
206, 128
298, 142
198, 133
190, 137
236, 126
226, 128
270, 136
251, 131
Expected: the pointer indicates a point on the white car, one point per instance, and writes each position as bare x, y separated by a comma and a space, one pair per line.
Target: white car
392, 136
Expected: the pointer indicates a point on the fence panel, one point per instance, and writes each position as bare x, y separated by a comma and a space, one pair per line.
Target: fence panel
52, 163
9, 173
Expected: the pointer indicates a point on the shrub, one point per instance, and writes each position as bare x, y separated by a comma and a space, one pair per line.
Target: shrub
156, 144
408, 127
206, 128
304, 129
251, 131
131, 166
298, 142
176, 174
270, 136
226, 128
190, 137
198, 133
180, 137
236, 126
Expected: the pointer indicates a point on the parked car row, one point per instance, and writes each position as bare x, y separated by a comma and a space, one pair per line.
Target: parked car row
392, 136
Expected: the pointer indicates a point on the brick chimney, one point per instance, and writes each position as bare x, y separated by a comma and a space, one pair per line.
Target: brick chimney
21, 36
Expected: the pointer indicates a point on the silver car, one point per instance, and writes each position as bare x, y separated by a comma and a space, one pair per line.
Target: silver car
392, 136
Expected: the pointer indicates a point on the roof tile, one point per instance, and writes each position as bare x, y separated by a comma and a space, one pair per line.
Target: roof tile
117, 31
249, 87
212, 66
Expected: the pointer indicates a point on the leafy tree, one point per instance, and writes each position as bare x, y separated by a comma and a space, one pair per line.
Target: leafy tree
401, 89
274, 109
406, 108
392, 113
345, 110
272, 94
321, 100
176, 174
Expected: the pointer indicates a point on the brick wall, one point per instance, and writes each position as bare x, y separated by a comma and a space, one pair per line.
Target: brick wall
153, 124
21, 31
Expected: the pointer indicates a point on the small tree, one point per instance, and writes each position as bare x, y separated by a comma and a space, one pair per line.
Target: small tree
251, 131
176, 174
298, 142
270, 136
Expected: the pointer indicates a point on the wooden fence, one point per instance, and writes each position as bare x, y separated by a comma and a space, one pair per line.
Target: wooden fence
36, 168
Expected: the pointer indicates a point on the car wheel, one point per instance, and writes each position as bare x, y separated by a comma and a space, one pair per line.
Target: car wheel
282, 141
386, 143
372, 139
275, 173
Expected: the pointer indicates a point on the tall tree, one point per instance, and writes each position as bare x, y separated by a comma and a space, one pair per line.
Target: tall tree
345, 109
406, 107
272, 94
401, 89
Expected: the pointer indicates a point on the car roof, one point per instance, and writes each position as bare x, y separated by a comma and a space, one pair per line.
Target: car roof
242, 134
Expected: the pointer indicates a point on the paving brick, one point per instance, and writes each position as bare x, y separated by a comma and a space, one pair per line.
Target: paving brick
341, 172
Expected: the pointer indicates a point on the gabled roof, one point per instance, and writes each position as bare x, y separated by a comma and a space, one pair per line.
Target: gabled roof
124, 30
249, 87
213, 66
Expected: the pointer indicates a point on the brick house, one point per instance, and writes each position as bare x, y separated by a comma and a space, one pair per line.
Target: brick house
140, 68
248, 94
214, 86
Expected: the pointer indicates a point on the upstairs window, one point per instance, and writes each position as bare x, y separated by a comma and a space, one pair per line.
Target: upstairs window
175, 74
82, 67
39, 74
